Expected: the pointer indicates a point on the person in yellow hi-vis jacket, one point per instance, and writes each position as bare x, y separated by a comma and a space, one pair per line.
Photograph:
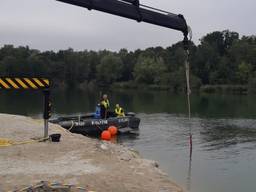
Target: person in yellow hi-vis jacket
119, 111
104, 106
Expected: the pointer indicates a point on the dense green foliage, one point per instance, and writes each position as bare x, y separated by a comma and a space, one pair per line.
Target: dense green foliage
221, 58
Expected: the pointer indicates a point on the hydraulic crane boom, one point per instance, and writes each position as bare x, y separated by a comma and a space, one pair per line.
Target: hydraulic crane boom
132, 9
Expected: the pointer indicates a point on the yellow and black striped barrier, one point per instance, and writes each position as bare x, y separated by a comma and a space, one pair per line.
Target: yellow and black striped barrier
24, 83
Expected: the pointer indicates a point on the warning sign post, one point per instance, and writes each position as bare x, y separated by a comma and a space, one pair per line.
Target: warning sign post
10, 83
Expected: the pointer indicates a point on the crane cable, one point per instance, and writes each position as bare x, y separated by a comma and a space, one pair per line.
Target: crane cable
187, 69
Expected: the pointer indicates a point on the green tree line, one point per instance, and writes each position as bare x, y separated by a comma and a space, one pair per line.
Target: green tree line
221, 58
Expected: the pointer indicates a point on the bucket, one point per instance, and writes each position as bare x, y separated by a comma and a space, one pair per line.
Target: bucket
55, 137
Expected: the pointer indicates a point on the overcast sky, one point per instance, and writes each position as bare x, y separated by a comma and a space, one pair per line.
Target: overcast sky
52, 25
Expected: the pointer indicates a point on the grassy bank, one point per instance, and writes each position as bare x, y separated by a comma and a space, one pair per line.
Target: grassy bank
134, 85
235, 89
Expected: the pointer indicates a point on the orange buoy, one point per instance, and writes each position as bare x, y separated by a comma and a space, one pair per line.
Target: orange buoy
112, 130
106, 135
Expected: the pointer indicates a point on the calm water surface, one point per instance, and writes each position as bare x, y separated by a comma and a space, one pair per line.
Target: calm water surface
223, 126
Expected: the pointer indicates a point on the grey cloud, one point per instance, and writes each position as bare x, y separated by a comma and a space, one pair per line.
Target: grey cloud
48, 24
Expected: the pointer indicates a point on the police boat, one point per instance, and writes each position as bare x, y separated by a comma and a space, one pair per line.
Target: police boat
91, 125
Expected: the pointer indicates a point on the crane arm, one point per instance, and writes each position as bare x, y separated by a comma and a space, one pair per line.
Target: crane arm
132, 9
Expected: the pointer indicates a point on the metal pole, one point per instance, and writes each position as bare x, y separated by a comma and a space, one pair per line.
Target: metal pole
45, 128
46, 112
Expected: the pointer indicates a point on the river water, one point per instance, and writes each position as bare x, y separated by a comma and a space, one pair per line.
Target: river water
223, 127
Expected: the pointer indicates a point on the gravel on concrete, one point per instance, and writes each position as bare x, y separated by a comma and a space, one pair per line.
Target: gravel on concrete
75, 160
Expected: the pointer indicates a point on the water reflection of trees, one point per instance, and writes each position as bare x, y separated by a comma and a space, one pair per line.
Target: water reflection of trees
74, 101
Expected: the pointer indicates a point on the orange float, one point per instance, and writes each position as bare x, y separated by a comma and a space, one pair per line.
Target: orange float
112, 130
106, 135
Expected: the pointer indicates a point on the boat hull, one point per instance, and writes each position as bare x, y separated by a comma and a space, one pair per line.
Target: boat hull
96, 126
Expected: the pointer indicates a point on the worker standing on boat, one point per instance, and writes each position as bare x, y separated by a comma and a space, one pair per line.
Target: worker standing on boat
119, 111
104, 106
